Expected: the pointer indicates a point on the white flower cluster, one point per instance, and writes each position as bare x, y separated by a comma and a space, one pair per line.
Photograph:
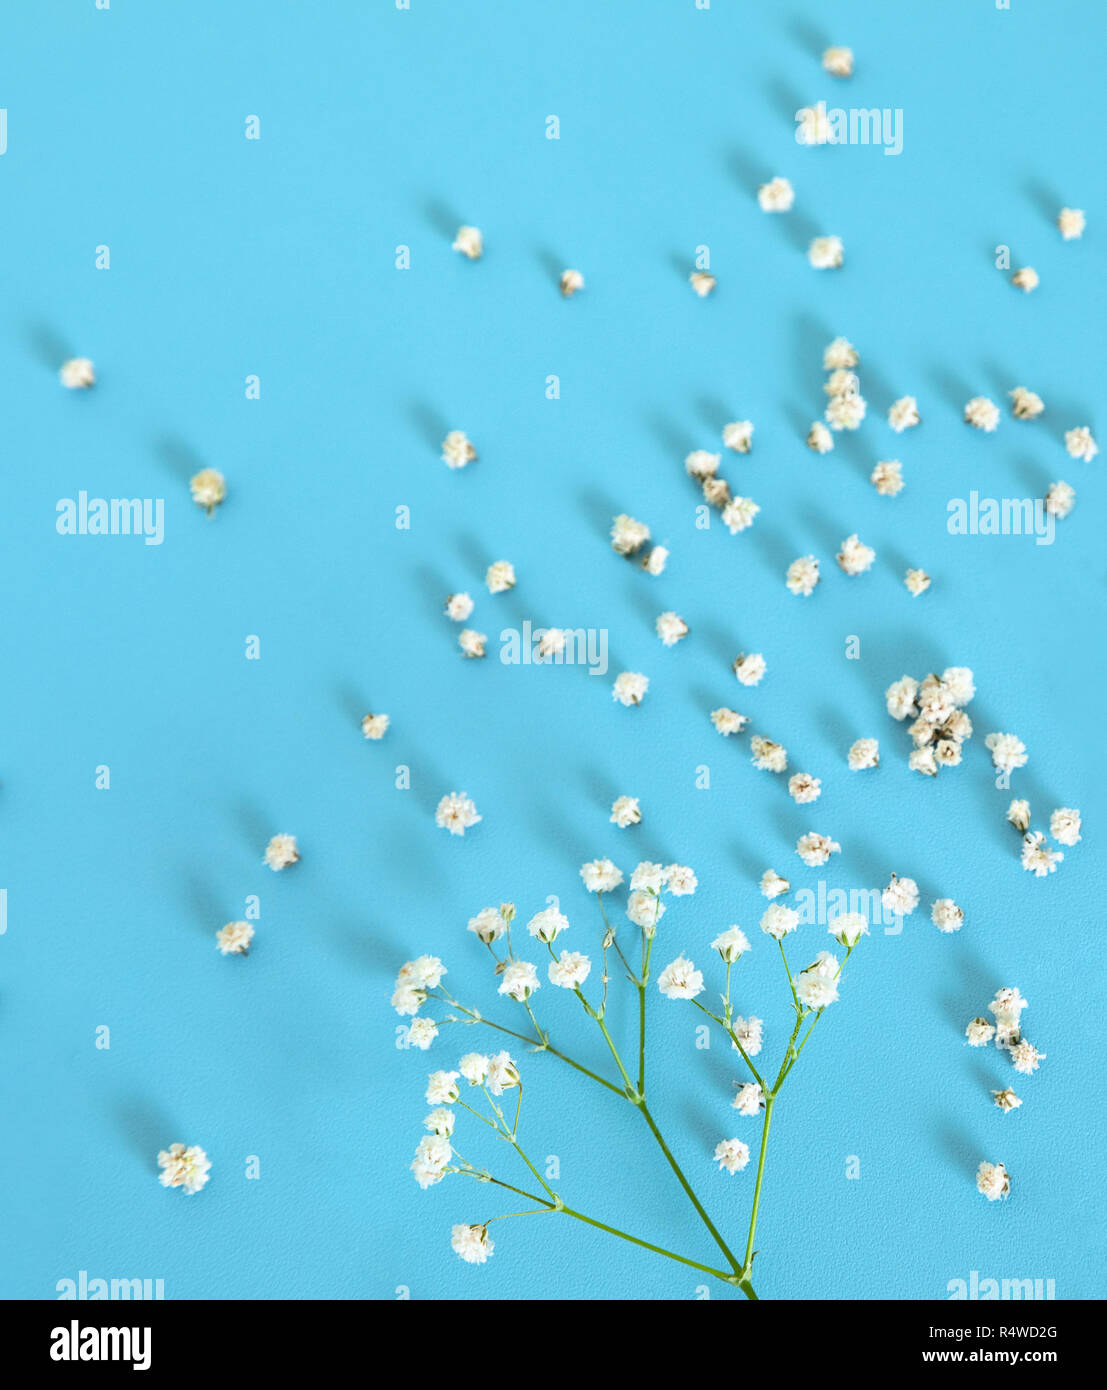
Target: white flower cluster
940, 726
629, 537
1007, 1008
1036, 856
738, 513
846, 406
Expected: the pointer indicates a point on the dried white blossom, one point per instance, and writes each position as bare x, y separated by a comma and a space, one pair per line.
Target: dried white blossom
993, 1181
982, 414
421, 1033
900, 697
778, 921
748, 1033
803, 788
901, 896
1037, 858
803, 575
702, 282
281, 851
680, 880
570, 970
847, 928
854, 556
184, 1167
548, 924
1008, 1004
738, 435
457, 450
903, 414
671, 628
917, 582
77, 374
841, 353
469, 242
887, 477
1025, 1057
842, 383
456, 813
234, 939
648, 877
375, 726
1025, 405
645, 910
813, 127
472, 1243
680, 980
946, 915
1070, 223
768, 756
716, 492
441, 1121
730, 944
208, 488
749, 1100
1026, 279
817, 986
728, 721
1006, 1099
519, 981
815, 849
1080, 443
488, 925
819, 438
923, 760
503, 1074
838, 62
551, 643
749, 668
772, 885
432, 1157
600, 876
630, 688
626, 812
628, 535
1008, 752
654, 562
458, 607
571, 281
1060, 499
979, 1032
825, 252
738, 514
1064, 825
732, 1155
474, 1067
777, 195
845, 412
701, 464
471, 642
1018, 813
500, 577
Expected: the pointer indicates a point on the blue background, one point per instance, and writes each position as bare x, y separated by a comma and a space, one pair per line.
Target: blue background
277, 257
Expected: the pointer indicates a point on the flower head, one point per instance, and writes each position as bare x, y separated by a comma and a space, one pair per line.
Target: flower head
826, 252
980, 1032
730, 944
457, 449
1006, 1100
749, 667
680, 980
1081, 444
903, 414
772, 885
234, 939
1008, 752
1025, 405
819, 438
500, 577
803, 788
671, 628
982, 414
519, 981
777, 195
208, 488
855, 557
702, 282
77, 374
815, 849
738, 435
600, 875
1064, 826
863, 754
571, 281
630, 688
458, 607
749, 1100
184, 1167
375, 726
768, 756
470, 242
1070, 223
901, 896
847, 928
472, 1243
803, 575
817, 986
570, 971
732, 1155
917, 582
993, 1181
456, 813
281, 851
432, 1156
778, 921
946, 915
728, 721
628, 535
626, 812
838, 62
547, 925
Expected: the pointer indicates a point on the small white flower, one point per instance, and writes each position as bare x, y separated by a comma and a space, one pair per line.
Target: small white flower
901, 896
903, 414
456, 813
457, 450
1059, 500
1064, 826
77, 374
654, 562
777, 195
1070, 223
488, 925
728, 721
628, 535
570, 971
1006, 1099
825, 252
441, 1122
979, 1032
749, 668
472, 1243
234, 939
855, 557
738, 435
519, 981
716, 492
474, 1067
571, 282
803, 788
442, 1088
730, 944
748, 1033
1008, 752
1080, 443
680, 980
982, 414
671, 627
600, 876
421, 1033
768, 756
700, 464
702, 282
749, 1100
772, 885
738, 514
281, 851
803, 575
1025, 1057
500, 577
845, 412
648, 877
819, 438
815, 849
551, 643
864, 753
630, 688
469, 242
887, 477
957, 682
1036, 858
917, 582
923, 760
1008, 1004
208, 488
813, 127
1018, 813
680, 880
946, 915
375, 726
732, 1155
645, 910
458, 607
847, 928
471, 642
1026, 279
503, 1074
842, 383
838, 62
1025, 405
548, 924
778, 921
840, 354
993, 1181
817, 986
184, 1167
626, 812
900, 697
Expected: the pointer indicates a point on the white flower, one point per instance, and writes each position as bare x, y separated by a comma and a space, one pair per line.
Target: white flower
671, 628
847, 928
748, 1033
732, 1155
817, 986
749, 668
421, 1033
1006, 1099
813, 127
958, 684
1070, 223
917, 582
208, 488
1080, 443
838, 62
901, 896
1008, 752
923, 760
472, 1243
840, 354
519, 981
440, 1121
648, 877
186, 1168
903, 414
457, 450
630, 687
281, 851
1059, 500
700, 464
654, 562
738, 435
982, 414
825, 252
803, 788
768, 756
600, 875
234, 939
551, 643
946, 915
425, 972
680, 980
1064, 826
900, 697
571, 281
738, 514
456, 813
469, 242
819, 438
1018, 813
626, 812
628, 535
77, 374
375, 726
432, 1155
815, 849
645, 910
842, 383
1026, 1057
854, 556
458, 607
803, 575
502, 1073
845, 412
702, 283
442, 1087
777, 920
730, 944
772, 885
716, 492
749, 1100
864, 753
548, 924
571, 971
500, 577
728, 721
979, 1032
1026, 279
777, 195
471, 642
887, 478
680, 880
1008, 1004
1036, 858
474, 1067
1025, 405
993, 1181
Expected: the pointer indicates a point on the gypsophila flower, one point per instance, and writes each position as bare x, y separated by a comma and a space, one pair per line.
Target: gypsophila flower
1008, 752
946, 915
958, 684
471, 642
184, 1167
571, 281
845, 412
732, 1155
842, 383
819, 438
854, 556
208, 488
825, 252
680, 980
899, 698
551, 643
630, 688
1059, 500
768, 756
77, 374
519, 981
500, 577
1025, 1057
803, 575
728, 721
645, 910
474, 1067
748, 1032
738, 514
600, 876
1006, 1099
503, 1074
847, 928
777, 195
1008, 1004
375, 726
680, 880
716, 492
777, 920
730, 944
815, 849
838, 62
488, 925
234, 939
803, 788
1064, 825
628, 535
993, 1181
749, 668
442, 1087
421, 1032
654, 562
1018, 813
917, 582
701, 465
458, 607
887, 478
472, 1243
548, 924
749, 1100
813, 128
864, 753
281, 851
923, 760
671, 628
440, 1121
817, 986
903, 414
432, 1156
1070, 223
1025, 405
982, 414
470, 242
702, 283
738, 435
979, 1032
1037, 858
456, 813
840, 353
648, 877
947, 753
772, 885
901, 896
626, 812
1080, 443
457, 450
1026, 279
570, 971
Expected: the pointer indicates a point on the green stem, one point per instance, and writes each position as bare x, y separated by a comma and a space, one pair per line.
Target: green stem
747, 1267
